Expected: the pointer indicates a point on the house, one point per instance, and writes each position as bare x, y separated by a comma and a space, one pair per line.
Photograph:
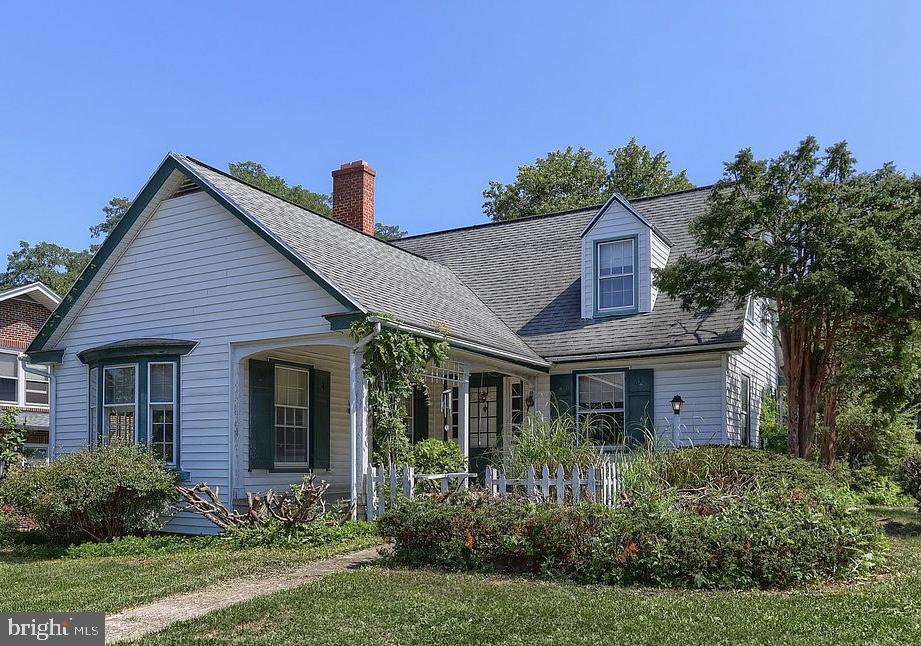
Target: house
24, 387
213, 326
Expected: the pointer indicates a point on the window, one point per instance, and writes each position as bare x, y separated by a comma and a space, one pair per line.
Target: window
161, 389
450, 410
750, 310
119, 401
600, 406
745, 405
9, 377
616, 275
36, 388
483, 409
517, 404
291, 415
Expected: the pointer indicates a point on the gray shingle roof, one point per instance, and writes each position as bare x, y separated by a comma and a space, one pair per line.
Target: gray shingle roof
528, 272
381, 278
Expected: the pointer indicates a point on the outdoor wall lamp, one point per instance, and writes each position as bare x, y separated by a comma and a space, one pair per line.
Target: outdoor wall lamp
529, 402
676, 404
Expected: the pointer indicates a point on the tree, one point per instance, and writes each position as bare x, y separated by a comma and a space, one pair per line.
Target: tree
388, 231
827, 247
46, 262
576, 178
255, 174
114, 211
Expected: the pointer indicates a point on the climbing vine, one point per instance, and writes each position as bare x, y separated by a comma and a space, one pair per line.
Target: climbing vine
394, 365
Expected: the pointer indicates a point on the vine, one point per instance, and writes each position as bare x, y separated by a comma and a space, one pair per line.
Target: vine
394, 365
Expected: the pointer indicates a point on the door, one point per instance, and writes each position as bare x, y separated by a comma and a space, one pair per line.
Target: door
485, 427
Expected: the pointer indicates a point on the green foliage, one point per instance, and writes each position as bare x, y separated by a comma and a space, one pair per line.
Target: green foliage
142, 546
876, 488
868, 436
315, 534
772, 431
112, 491
114, 211
551, 440
910, 477
255, 173
729, 470
12, 439
46, 262
575, 178
394, 365
388, 231
436, 456
769, 539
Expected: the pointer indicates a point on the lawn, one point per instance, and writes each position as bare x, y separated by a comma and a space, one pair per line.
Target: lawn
111, 583
379, 606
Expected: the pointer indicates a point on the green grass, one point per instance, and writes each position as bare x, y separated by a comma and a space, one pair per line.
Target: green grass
379, 606
112, 583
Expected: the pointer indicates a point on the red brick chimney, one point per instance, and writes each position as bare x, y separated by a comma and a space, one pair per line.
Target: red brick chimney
353, 196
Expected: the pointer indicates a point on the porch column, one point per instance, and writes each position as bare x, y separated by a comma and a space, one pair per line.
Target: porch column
463, 418
358, 429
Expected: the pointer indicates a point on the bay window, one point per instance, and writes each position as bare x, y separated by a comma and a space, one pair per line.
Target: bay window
600, 407
161, 385
615, 276
119, 403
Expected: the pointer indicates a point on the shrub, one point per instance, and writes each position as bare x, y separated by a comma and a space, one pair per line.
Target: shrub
910, 477
877, 489
727, 469
868, 436
436, 456
316, 534
553, 441
12, 439
769, 539
771, 429
112, 491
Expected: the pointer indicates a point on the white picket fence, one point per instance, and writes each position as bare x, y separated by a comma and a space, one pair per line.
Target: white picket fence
602, 484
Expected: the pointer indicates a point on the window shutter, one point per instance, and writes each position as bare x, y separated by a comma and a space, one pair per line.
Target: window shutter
562, 397
639, 414
420, 415
261, 414
319, 419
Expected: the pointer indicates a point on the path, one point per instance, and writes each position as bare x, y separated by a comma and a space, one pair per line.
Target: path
137, 622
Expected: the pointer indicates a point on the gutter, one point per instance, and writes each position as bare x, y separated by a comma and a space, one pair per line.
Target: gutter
354, 372
463, 345
690, 349
52, 399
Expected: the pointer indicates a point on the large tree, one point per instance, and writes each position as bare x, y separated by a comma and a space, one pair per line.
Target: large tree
829, 248
256, 174
46, 262
575, 178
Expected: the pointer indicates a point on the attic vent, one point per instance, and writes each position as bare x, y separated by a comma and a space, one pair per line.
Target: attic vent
187, 186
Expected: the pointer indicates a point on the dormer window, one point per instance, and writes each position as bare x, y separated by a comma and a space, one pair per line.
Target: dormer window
616, 276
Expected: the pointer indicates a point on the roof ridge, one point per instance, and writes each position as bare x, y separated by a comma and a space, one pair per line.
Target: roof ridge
658, 195
295, 204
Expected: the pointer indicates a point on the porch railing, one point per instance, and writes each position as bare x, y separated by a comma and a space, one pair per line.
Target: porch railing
603, 484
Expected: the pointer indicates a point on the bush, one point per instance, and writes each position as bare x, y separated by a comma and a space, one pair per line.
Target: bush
316, 534
727, 469
868, 436
910, 477
553, 441
877, 489
436, 456
768, 539
772, 431
112, 491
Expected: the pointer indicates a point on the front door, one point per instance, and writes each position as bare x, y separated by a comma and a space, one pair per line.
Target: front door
485, 429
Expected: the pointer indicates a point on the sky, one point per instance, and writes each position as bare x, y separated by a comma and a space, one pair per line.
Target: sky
439, 97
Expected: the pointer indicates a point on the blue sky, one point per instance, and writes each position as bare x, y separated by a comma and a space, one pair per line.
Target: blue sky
438, 97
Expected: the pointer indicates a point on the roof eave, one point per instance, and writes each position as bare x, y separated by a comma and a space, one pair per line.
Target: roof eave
624, 202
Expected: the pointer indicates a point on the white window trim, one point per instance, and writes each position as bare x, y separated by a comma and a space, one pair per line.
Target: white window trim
579, 413
26, 378
750, 313
599, 277
151, 403
21, 378
105, 429
289, 465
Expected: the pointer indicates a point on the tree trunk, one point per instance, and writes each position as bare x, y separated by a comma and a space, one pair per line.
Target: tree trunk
804, 373
830, 435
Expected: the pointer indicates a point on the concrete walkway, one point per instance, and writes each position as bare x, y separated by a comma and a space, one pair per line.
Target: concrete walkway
137, 622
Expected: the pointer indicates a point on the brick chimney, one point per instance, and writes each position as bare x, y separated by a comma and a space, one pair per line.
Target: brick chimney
353, 196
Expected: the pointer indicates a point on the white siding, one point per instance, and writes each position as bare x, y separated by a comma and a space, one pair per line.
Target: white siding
660, 251
758, 360
193, 272
618, 222
698, 378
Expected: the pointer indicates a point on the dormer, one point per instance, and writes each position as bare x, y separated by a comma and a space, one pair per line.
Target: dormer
619, 249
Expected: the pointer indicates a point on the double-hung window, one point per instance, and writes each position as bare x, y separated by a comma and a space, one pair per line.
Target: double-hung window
616, 276
119, 403
161, 386
9, 378
292, 424
600, 407
36, 388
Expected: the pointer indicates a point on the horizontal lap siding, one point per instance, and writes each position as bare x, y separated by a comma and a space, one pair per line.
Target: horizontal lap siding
660, 252
336, 362
194, 272
758, 360
616, 222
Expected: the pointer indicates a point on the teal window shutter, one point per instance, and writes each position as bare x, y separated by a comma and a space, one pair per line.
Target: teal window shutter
261, 414
420, 415
319, 419
562, 397
640, 414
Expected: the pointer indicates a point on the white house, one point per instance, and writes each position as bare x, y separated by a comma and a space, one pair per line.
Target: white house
212, 325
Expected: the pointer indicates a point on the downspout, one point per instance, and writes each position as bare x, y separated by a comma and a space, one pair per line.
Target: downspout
355, 370
52, 399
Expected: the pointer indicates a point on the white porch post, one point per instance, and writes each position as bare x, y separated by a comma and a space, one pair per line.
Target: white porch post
463, 418
358, 427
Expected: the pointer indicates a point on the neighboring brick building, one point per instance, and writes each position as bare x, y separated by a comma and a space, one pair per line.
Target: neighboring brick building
23, 310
